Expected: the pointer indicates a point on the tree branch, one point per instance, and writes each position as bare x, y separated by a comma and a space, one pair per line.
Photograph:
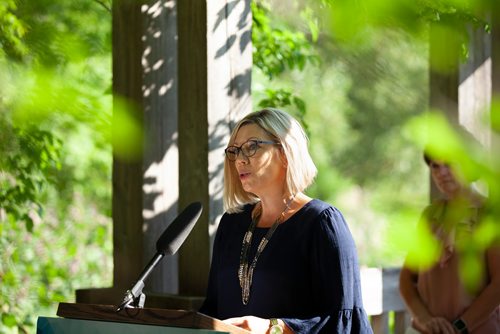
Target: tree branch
103, 4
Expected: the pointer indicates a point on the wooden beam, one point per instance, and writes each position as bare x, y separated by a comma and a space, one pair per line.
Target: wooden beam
185, 67
160, 181
193, 141
127, 175
214, 91
444, 48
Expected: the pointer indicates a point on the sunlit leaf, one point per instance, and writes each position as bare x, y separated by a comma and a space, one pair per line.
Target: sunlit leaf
127, 133
472, 270
9, 319
401, 229
453, 145
446, 42
312, 21
422, 247
487, 232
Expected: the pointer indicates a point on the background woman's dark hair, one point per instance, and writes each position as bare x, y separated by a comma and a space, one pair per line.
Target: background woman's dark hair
465, 137
427, 158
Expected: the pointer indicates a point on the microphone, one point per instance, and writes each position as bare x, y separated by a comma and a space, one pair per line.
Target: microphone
169, 242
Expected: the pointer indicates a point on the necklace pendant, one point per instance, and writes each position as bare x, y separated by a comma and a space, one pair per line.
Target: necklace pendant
244, 297
245, 291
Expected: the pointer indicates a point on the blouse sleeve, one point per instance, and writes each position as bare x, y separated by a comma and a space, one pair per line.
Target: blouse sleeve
336, 281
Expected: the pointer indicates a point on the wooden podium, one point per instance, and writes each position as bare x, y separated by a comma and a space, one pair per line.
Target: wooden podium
96, 319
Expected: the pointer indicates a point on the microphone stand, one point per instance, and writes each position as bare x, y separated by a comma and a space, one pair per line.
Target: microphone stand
135, 298
168, 243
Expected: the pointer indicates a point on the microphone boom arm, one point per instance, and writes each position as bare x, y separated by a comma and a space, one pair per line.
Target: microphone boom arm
168, 243
135, 297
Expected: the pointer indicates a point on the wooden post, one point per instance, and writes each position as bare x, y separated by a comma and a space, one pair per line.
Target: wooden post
185, 67
444, 48
494, 191
475, 85
214, 90
127, 176
160, 181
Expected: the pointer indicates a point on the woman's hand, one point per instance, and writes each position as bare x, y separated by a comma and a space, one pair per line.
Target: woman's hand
434, 325
250, 323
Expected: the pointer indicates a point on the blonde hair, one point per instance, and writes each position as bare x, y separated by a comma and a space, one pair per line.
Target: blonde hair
283, 128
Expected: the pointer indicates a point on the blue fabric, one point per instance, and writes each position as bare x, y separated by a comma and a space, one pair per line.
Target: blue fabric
308, 275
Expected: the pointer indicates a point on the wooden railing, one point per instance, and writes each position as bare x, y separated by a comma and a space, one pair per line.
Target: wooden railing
382, 301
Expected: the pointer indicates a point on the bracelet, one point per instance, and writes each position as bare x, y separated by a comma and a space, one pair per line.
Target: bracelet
275, 327
460, 326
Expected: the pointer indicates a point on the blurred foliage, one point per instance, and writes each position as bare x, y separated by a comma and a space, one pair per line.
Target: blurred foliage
350, 18
55, 165
284, 98
371, 85
127, 133
33, 159
279, 47
358, 98
12, 30
353, 72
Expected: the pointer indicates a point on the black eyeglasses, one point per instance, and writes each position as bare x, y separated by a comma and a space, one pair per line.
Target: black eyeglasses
248, 148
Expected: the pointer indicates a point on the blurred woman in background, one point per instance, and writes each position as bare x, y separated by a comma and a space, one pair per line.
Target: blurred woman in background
437, 298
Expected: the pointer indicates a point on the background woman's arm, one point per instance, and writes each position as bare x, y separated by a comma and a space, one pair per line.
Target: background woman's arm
489, 299
423, 320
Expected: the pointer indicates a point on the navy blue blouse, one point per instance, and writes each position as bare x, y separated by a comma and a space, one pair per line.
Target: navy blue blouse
307, 275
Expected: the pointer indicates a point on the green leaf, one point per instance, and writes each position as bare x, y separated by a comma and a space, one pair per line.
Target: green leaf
9, 320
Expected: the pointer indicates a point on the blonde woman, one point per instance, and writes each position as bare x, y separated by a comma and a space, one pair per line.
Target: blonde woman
282, 261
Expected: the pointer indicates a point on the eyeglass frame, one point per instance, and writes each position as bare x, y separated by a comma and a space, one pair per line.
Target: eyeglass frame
257, 141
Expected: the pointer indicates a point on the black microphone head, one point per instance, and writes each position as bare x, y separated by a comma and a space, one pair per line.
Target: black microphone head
177, 232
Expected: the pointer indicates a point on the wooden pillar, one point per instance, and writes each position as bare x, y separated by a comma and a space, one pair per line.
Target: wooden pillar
145, 185
444, 54
185, 68
444, 48
214, 90
475, 89
160, 183
145, 192
127, 175
478, 78
475, 85
193, 141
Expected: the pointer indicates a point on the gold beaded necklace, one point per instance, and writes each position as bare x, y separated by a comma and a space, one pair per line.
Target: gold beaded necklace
245, 271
